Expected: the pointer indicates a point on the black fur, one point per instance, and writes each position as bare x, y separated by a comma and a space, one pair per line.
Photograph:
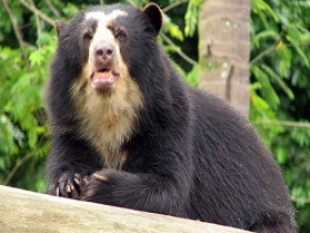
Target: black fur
190, 155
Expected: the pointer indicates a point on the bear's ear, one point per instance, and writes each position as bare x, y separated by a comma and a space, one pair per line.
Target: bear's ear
59, 25
153, 13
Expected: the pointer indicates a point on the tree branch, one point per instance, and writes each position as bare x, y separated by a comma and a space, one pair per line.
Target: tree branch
52, 8
21, 162
39, 31
282, 123
17, 34
36, 11
300, 200
177, 50
262, 54
273, 47
17, 166
175, 4
131, 3
170, 42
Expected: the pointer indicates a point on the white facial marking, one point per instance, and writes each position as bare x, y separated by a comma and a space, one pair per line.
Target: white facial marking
103, 34
101, 16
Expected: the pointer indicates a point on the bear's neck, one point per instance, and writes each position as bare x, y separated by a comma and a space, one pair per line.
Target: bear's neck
107, 121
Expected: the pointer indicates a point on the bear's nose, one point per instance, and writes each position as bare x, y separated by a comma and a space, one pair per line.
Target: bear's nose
104, 52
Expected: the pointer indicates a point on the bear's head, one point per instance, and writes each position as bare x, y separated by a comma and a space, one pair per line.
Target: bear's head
104, 45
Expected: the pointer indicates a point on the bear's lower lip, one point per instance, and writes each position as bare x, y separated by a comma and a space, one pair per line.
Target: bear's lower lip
104, 80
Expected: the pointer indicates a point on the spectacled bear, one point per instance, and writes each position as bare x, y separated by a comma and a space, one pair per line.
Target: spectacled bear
128, 131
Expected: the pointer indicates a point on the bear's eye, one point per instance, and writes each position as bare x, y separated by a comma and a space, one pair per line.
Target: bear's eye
121, 35
87, 35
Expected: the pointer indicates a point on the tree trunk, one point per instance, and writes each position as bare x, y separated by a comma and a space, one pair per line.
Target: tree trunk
224, 50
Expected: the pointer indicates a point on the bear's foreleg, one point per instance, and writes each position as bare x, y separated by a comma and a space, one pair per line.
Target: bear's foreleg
146, 192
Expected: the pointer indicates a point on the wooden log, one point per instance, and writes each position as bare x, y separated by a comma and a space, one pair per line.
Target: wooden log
24, 211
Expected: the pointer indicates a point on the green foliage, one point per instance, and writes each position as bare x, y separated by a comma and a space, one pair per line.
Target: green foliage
173, 29
263, 10
260, 112
70, 10
191, 17
280, 62
23, 127
192, 76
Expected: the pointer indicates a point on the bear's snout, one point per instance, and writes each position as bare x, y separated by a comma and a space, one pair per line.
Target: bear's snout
103, 53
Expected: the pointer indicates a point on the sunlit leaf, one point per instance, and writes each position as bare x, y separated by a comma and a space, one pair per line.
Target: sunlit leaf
279, 80
191, 17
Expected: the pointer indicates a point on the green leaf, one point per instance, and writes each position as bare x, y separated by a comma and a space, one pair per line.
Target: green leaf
172, 29
176, 32
279, 80
36, 58
23, 83
193, 76
261, 5
263, 36
260, 103
191, 17
45, 39
281, 155
304, 57
71, 10
267, 90
286, 58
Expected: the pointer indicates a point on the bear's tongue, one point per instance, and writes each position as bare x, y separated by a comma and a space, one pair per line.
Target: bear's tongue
102, 75
104, 79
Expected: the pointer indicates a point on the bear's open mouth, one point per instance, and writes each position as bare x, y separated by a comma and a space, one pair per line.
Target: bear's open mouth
104, 78
102, 74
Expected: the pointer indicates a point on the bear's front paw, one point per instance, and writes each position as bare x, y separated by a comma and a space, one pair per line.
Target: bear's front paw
68, 185
98, 187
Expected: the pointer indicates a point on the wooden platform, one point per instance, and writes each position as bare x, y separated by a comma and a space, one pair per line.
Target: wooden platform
23, 211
